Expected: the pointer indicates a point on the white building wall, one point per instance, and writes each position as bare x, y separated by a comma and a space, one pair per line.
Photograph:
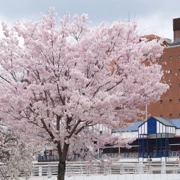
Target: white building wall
177, 132
127, 134
157, 126
103, 128
145, 128
161, 128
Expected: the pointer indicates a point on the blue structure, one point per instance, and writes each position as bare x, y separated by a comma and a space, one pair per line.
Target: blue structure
157, 137
153, 137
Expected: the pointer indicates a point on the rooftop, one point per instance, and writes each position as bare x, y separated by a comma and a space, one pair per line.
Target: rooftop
135, 125
174, 44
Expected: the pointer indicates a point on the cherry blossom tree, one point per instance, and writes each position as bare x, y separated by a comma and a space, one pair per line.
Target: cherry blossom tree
60, 77
15, 155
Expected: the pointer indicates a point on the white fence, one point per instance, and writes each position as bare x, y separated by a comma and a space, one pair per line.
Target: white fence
95, 168
82, 170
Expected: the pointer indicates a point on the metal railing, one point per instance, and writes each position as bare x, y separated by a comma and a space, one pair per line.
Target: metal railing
174, 154
46, 158
94, 168
129, 155
135, 155
49, 169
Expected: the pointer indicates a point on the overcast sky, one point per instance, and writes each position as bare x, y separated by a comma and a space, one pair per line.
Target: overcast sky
152, 16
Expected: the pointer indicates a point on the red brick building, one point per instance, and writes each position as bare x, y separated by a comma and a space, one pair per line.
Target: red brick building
169, 104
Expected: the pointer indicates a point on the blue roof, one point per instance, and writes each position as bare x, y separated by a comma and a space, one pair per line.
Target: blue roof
135, 125
176, 122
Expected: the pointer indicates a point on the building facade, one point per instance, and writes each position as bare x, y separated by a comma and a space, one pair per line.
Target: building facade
169, 104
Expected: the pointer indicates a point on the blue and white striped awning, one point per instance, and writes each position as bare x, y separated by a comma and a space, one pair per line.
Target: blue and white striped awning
156, 125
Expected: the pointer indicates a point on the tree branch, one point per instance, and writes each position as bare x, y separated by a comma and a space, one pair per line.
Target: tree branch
74, 128
47, 129
61, 98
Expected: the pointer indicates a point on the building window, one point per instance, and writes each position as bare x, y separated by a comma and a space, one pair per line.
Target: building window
179, 114
170, 115
179, 70
170, 71
179, 99
170, 85
170, 100
161, 115
161, 101
161, 58
170, 57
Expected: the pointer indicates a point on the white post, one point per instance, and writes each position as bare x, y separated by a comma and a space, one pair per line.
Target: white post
163, 159
141, 159
121, 169
49, 173
163, 168
140, 167
40, 170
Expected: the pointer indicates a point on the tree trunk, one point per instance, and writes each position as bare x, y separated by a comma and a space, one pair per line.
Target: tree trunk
62, 160
61, 170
